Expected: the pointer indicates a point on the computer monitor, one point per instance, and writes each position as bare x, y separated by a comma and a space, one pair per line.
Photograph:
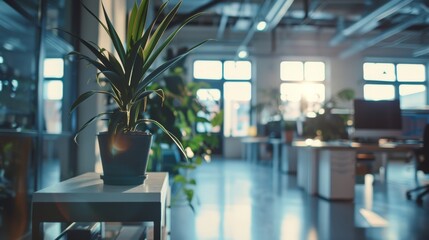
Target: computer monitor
413, 123
377, 119
274, 129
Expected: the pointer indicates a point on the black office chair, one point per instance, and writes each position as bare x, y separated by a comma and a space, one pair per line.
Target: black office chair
422, 164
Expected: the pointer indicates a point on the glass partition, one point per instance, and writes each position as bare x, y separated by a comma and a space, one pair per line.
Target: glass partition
57, 89
18, 75
36, 140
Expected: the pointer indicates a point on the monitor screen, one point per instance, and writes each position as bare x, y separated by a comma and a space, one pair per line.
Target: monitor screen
414, 123
377, 119
274, 129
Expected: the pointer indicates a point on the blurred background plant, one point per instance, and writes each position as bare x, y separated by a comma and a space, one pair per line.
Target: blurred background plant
180, 114
271, 107
330, 122
274, 115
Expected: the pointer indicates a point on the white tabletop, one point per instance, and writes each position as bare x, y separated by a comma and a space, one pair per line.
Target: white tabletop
89, 187
383, 146
254, 139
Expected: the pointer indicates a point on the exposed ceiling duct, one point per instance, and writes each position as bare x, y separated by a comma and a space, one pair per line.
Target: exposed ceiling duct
424, 50
366, 43
360, 24
276, 12
222, 26
421, 51
369, 22
272, 12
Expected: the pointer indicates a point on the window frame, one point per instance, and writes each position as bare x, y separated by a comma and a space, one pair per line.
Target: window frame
219, 84
326, 82
396, 83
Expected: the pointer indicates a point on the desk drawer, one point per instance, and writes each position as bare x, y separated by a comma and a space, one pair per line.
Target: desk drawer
340, 161
337, 174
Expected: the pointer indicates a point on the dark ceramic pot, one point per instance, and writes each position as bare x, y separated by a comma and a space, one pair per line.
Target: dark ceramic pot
124, 157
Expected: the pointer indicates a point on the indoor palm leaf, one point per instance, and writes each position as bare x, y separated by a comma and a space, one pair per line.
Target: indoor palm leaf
131, 70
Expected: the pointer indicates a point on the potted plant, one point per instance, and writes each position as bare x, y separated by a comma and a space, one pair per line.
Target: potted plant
273, 110
124, 148
326, 125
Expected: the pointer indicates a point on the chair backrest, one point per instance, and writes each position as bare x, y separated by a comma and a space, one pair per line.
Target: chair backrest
423, 160
426, 136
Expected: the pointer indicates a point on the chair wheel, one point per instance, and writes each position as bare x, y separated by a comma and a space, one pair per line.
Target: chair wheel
408, 196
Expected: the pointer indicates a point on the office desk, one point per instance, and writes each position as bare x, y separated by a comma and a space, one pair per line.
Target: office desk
86, 199
251, 147
284, 156
328, 168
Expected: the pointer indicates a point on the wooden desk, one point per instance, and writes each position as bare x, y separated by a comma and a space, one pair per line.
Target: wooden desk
86, 199
324, 167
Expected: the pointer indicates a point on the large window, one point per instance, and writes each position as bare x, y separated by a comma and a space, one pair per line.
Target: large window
385, 81
53, 73
302, 88
232, 81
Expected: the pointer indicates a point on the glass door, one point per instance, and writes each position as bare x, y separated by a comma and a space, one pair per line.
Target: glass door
36, 146
229, 92
18, 116
57, 91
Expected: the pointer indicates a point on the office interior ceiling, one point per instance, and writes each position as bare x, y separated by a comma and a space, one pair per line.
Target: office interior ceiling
356, 24
359, 24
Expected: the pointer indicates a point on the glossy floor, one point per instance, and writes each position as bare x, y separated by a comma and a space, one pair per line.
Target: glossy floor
239, 200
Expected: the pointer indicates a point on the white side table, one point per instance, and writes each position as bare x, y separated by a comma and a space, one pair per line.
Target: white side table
86, 199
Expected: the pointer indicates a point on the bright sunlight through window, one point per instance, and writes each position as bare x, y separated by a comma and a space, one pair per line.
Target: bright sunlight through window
379, 71
403, 81
291, 71
302, 88
210, 70
237, 97
378, 92
237, 70
53, 68
411, 72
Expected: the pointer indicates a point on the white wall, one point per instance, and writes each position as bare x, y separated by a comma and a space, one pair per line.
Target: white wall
88, 156
86, 148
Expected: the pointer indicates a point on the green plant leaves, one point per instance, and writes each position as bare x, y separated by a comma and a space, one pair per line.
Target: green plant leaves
129, 73
174, 138
89, 122
217, 119
137, 22
170, 38
158, 71
156, 36
117, 43
85, 96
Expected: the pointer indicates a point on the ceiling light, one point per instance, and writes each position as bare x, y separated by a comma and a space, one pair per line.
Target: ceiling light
8, 46
243, 54
261, 25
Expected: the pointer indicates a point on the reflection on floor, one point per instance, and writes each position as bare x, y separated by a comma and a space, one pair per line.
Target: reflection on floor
239, 200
